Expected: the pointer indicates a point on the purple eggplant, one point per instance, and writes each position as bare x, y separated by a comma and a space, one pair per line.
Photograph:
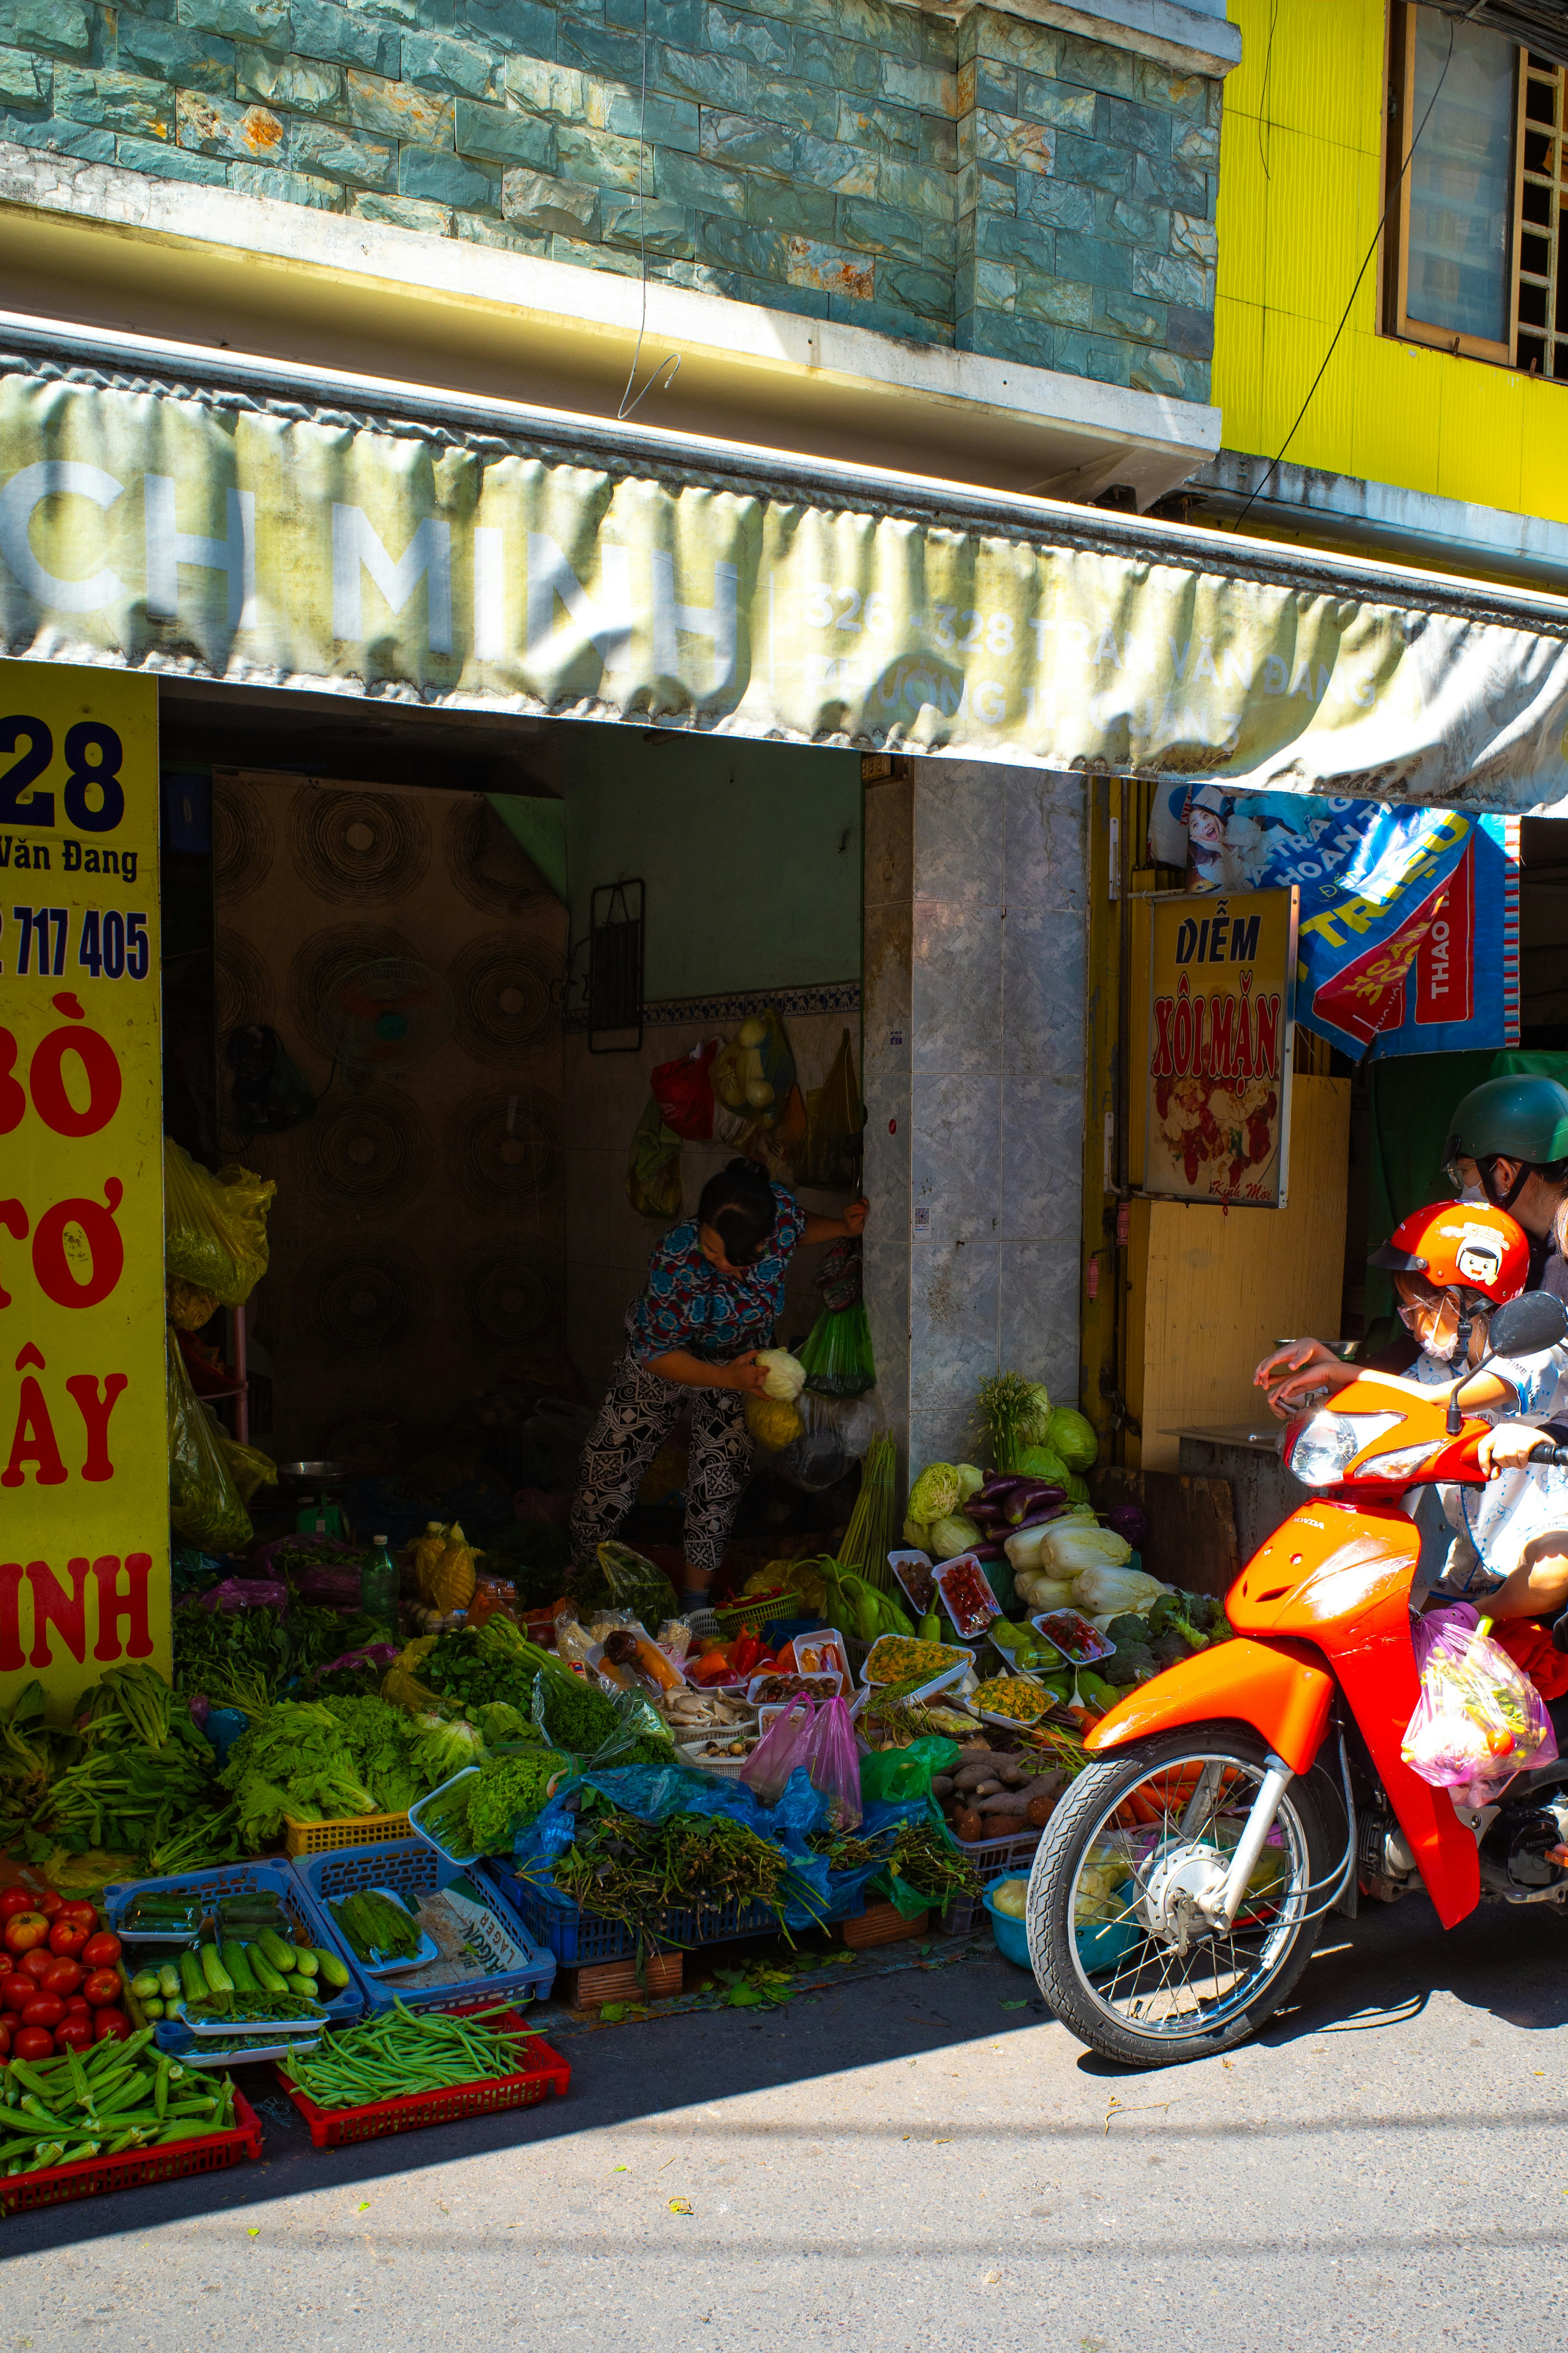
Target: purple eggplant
1029, 1500
1039, 1519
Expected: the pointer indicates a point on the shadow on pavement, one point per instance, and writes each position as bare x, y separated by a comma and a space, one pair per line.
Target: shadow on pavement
1368, 1975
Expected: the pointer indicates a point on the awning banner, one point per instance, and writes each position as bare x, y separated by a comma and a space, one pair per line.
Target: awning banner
1409, 927
207, 533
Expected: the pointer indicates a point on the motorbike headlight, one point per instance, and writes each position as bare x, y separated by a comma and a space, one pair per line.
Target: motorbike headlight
1405, 1460
1322, 1452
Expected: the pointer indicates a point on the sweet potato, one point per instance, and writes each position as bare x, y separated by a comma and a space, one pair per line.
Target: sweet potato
1005, 1801
968, 1826
941, 1784
1039, 1812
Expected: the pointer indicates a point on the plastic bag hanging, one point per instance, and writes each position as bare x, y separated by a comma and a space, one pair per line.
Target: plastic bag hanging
653, 1167
215, 1228
829, 1155
684, 1093
1478, 1721
833, 1765
838, 1351
204, 1508
784, 1745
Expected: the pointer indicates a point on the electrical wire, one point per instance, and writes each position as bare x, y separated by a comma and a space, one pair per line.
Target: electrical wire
1274, 463
671, 360
1263, 93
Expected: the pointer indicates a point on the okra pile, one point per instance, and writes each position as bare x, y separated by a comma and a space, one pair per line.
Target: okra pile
114, 2097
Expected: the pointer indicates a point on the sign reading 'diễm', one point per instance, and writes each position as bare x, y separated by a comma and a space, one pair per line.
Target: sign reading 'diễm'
1216, 1060
84, 1492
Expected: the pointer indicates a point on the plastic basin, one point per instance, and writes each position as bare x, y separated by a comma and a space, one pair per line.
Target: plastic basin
1011, 1936
1099, 1946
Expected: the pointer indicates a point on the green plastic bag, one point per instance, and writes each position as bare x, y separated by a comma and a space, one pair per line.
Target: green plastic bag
898, 1776
205, 1506
653, 1168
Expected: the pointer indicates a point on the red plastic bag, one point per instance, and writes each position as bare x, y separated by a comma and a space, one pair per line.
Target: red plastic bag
833, 1764
785, 1744
684, 1093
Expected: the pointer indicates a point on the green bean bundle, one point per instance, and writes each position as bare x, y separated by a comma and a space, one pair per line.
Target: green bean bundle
399, 2054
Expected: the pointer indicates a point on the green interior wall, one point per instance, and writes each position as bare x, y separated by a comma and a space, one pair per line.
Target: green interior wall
750, 852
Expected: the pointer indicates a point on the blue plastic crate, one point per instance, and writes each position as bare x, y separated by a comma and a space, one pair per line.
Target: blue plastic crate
241, 1879
413, 1869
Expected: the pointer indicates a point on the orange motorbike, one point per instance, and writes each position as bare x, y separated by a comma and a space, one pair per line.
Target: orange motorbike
1235, 1799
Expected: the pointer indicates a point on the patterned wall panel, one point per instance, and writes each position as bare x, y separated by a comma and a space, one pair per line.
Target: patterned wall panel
418, 1232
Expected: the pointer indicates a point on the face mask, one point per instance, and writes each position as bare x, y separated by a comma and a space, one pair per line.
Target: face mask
1432, 1317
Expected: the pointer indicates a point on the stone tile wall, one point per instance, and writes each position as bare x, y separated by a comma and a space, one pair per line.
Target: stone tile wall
973, 1029
992, 185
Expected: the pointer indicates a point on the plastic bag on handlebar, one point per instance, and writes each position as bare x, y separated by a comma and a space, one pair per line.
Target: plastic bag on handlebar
1479, 1720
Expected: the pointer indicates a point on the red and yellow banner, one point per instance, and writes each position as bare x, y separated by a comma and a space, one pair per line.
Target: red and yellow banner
84, 1488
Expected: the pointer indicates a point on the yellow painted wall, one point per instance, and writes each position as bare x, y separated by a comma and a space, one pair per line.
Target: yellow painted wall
1301, 192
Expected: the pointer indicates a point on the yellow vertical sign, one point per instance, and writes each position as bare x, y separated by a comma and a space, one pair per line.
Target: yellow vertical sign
84, 1483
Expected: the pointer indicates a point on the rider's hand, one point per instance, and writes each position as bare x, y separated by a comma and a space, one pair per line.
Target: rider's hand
1292, 1373
1507, 1447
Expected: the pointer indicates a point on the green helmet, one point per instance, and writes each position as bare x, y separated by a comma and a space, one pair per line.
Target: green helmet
1520, 1118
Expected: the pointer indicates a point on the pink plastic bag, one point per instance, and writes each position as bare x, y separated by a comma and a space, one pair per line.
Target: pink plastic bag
1479, 1720
785, 1744
833, 1762
245, 1593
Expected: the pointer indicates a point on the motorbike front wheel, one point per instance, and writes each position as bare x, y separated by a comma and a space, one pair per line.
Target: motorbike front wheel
1118, 1939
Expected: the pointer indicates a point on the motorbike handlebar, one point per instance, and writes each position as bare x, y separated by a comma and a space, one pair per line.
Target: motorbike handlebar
1547, 1452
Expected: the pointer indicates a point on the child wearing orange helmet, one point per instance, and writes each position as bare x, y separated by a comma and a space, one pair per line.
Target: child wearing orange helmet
1453, 1263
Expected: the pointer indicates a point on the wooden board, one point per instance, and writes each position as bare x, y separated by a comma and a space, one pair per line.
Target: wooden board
1210, 1293
1192, 1524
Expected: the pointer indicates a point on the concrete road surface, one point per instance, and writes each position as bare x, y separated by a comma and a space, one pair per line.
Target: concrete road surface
924, 2161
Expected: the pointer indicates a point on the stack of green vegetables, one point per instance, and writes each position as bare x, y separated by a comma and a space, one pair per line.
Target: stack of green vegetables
322, 1760
377, 1927
244, 1658
637, 1872
33, 1755
145, 1783
115, 2098
854, 1606
481, 1813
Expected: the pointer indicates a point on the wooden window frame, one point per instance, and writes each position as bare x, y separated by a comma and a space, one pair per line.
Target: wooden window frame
1402, 66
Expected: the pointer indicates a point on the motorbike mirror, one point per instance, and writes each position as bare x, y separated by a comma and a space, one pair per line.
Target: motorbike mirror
1526, 1326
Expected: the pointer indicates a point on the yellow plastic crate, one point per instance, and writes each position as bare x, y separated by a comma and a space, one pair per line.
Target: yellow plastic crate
758, 1614
360, 1829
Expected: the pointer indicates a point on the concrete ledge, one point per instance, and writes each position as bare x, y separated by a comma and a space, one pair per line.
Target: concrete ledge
1192, 35
1309, 503
117, 249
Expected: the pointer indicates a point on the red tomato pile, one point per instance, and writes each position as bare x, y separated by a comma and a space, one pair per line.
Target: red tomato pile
61, 1987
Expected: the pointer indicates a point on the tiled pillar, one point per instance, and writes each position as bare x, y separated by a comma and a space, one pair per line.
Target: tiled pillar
973, 1028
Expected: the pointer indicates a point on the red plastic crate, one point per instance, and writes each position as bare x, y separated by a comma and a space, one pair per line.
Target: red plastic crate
135, 2167
334, 2127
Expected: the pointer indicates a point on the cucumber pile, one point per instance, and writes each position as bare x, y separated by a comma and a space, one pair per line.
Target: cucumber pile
376, 1927
258, 1978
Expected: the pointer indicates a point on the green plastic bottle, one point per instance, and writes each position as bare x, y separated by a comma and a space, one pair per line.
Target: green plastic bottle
378, 1588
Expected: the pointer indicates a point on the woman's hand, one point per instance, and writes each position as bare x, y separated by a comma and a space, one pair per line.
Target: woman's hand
746, 1375
855, 1216
1507, 1447
1291, 1373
